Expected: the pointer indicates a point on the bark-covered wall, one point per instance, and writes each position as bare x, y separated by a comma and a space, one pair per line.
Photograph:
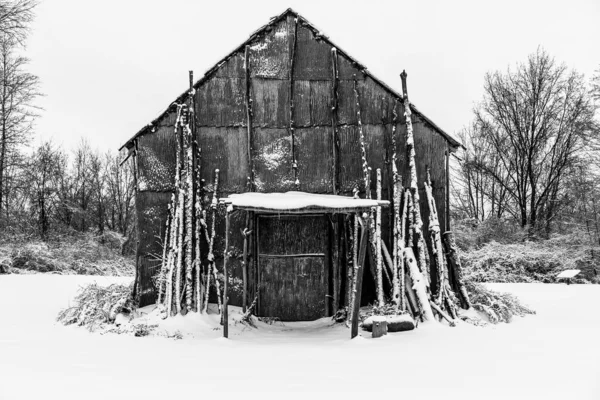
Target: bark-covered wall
288, 63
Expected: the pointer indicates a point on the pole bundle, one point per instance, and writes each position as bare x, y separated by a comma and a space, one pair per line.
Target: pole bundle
182, 286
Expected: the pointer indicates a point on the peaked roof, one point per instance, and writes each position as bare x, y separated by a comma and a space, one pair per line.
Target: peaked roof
453, 142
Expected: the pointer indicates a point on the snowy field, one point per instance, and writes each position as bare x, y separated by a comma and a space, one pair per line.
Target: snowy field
552, 355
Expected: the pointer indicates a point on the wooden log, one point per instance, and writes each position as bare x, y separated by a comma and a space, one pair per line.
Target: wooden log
456, 268
411, 298
363, 151
245, 234
436, 240
380, 298
334, 121
442, 313
291, 90
248, 99
358, 279
388, 261
414, 189
380, 327
226, 278
397, 243
419, 284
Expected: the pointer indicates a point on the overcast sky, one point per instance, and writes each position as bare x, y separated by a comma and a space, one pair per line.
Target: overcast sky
109, 67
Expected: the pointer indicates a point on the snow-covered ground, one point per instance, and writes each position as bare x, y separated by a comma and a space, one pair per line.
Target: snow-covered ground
552, 355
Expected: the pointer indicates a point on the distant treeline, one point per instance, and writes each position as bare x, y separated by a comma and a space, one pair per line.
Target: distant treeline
532, 151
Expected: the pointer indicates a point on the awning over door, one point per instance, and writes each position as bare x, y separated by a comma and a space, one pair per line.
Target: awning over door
299, 203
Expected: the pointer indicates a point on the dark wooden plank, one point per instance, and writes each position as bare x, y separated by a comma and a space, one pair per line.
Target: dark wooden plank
152, 210
314, 155
287, 235
376, 103
156, 157
269, 53
292, 289
148, 269
270, 103
272, 160
221, 102
233, 67
320, 103
351, 174
346, 103
347, 69
312, 59
225, 149
302, 103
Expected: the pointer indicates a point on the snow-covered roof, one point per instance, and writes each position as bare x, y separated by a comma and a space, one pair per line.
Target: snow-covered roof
299, 202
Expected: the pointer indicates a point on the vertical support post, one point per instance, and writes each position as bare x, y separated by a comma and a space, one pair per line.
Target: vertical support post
334, 120
249, 117
292, 133
447, 216
358, 279
136, 279
246, 234
226, 277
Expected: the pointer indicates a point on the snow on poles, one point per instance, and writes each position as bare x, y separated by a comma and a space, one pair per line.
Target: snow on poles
419, 284
379, 260
414, 189
398, 245
436, 240
363, 151
352, 271
189, 205
212, 268
198, 235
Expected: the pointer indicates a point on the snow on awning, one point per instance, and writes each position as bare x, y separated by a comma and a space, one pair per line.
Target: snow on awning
299, 202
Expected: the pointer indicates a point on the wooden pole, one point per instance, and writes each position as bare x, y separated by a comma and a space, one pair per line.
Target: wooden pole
380, 298
225, 259
358, 278
249, 117
412, 167
245, 233
457, 274
334, 120
291, 109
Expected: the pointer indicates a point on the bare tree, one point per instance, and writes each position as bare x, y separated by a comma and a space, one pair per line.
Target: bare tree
18, 90
46, 165
15, 19
538, 120
476, 193
120, 194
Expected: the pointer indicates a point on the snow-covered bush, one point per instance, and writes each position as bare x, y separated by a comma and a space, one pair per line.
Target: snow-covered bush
96, 305
81, 254
498, 307
472, 234
532, 261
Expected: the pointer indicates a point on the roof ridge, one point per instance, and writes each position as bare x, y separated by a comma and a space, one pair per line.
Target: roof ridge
321, 36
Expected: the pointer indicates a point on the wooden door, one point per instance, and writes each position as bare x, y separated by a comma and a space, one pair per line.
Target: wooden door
293, 264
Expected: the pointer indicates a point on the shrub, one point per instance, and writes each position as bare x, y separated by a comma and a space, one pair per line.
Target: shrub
96, 305
81, 254
498, 307
532, 261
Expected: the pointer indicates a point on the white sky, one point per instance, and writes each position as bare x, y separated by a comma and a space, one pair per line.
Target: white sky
109, 67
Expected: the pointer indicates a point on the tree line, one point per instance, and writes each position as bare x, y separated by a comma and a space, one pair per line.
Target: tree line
53, 190
44, 188
531, 152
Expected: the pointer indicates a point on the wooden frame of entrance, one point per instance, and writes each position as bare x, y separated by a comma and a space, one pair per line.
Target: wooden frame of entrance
363, 213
